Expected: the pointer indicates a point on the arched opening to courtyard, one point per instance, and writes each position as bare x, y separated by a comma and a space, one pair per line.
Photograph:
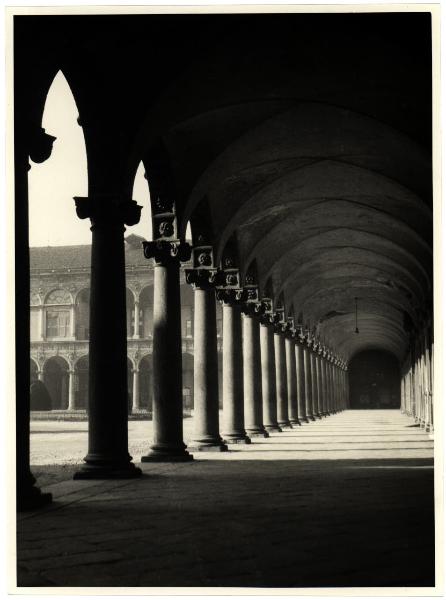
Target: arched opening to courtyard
55, 378
374, 380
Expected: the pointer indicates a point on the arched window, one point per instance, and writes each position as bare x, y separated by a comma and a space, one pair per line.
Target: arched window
83, 315
58, 314
146, 312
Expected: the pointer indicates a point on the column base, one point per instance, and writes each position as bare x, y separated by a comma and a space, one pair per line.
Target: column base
32, 498
303, 420
108, 471
273, 428
237, 439
257, 433
167, 455
285, 425
217, 446
295, 422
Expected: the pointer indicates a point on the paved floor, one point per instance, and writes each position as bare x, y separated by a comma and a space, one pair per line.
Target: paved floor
345, 501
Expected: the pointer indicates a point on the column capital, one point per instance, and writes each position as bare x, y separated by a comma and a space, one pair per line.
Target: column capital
231, 295
40, 145
107, 210
203, 279
252, 309
163, 251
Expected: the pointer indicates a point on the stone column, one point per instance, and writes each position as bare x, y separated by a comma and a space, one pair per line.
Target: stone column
293, 410
314, 390
108, 455
168, 444
233, 403
36, 144
136, 405
41, 323
308, 385
332, 406
252, 383
281, 379
268, 368
206, 410
71, 391
323, 392
325, 384
72, 322
300, 376
320, 392
136, 323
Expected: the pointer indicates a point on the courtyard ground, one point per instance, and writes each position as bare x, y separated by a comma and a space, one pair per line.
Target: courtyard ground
345, 501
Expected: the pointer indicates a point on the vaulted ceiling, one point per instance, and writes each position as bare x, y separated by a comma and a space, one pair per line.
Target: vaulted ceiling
306, 139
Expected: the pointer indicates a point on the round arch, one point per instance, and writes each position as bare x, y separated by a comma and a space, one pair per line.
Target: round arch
81, 370
188, 381
145, 383
374, 380
55, 378
146, 312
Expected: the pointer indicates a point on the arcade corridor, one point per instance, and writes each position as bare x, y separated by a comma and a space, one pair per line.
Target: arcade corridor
344, 501
297, 151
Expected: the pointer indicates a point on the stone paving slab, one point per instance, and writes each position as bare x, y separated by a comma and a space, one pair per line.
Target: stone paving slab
271, 514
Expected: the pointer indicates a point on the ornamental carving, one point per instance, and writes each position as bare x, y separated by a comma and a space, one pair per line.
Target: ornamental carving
59, 296
231, 296
108, 210
34, 299
203, 278
161, 204
165, 229
164, 252
204, 259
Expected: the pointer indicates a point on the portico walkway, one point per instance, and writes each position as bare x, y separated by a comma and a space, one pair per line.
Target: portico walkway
344, 501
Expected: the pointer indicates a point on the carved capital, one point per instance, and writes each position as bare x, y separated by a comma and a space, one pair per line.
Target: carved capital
40, 145
231, 296
108, 210
164, 252
203, 279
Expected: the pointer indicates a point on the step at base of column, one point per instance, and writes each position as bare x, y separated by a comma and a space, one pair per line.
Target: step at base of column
273, 428
217, 447
257, 434
32, 499
108, 472
155, 456
240, 440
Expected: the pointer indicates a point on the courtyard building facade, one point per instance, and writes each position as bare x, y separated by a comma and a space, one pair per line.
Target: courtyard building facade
59, 319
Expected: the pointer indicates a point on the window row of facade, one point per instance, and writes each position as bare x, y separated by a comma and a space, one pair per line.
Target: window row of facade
70, 321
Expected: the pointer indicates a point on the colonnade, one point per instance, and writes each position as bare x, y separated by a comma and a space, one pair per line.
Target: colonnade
417, 378
265, 387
